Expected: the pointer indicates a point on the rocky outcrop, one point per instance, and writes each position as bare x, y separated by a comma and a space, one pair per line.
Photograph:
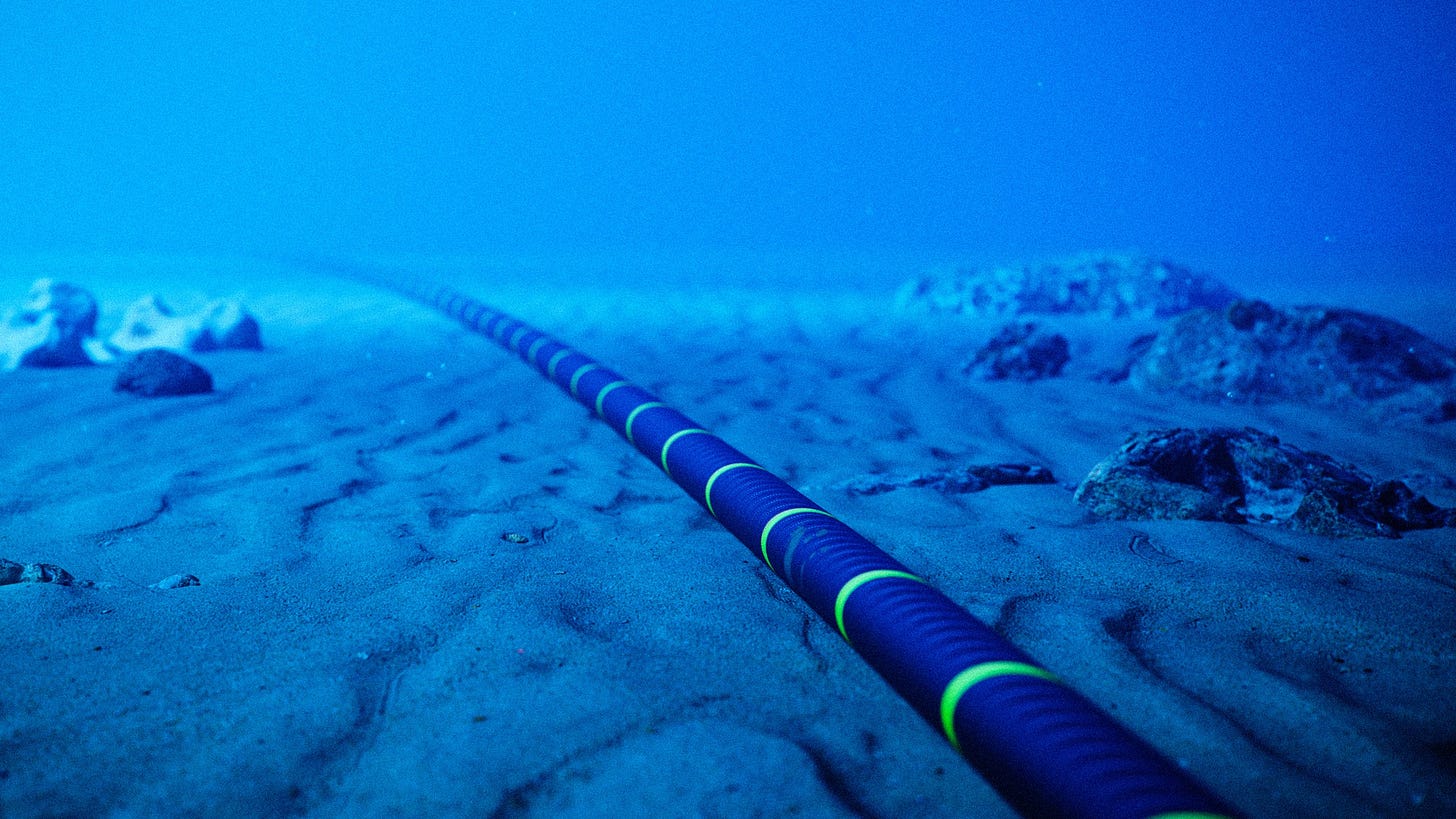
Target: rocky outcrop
12, 573
150, 324
1247, 476
953, 482
55, 327
1108, 285
155, 373
1253, 352
1020, 352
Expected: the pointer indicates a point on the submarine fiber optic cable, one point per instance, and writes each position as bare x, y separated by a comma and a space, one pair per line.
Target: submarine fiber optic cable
1046, 749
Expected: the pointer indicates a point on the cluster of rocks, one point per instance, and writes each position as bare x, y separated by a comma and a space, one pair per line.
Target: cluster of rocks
149, 323
1218, 474
56, 327
1213, 345
12, 572
1248, 476
1106, 285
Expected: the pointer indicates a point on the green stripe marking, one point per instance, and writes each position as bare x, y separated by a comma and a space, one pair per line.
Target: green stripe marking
774, 521
490, 325
962, 682
515, 338
632, 416
556, 359
708, 489
859, 580
601, 396
576, 376
535, 348
676, 435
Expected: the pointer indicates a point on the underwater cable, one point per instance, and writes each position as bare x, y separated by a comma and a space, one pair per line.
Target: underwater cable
1045, 748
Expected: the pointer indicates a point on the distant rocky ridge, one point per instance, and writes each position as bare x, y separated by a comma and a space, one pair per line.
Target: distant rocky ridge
1250, 352
1108, 285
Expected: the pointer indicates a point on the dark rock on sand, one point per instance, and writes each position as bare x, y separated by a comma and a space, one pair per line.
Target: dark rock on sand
153, 373
1252, 352
1247, 476
955, 481
12, 572
55, 327
1020, 352
1108, 285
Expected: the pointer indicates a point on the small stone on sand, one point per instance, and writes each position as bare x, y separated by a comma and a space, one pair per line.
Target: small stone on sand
177, 581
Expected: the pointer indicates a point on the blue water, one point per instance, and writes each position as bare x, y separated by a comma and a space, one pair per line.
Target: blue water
1301, 138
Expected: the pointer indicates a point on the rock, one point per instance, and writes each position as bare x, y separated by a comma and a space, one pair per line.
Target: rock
12, 572
177, 581
1107, 285
55, 327
153, 373
953, 482
1022, 353
1253, 352
1247, 476
150, 324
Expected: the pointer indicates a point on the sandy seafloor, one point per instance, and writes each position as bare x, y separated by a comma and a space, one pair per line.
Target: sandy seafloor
366, 642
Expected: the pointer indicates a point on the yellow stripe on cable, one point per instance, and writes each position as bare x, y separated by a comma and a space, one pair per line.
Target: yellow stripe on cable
962, 682
601, 396
708, 489
556, 359
632, 416
535, 348
576, 376
774, 521
669, 442
855, 582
